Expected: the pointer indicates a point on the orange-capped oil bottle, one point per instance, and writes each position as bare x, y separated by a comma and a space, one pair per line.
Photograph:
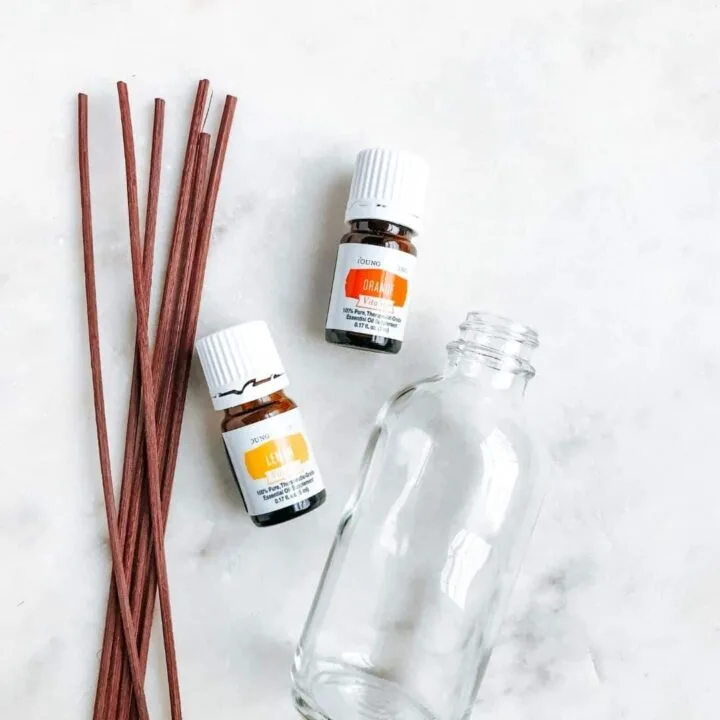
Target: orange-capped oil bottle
371, 288
270, 456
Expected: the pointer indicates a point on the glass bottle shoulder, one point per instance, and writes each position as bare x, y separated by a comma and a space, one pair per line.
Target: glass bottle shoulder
257, 410
380, 234
444, 409
386, 241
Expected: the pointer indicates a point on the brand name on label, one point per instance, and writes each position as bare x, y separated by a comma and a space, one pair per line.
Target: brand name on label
369, 263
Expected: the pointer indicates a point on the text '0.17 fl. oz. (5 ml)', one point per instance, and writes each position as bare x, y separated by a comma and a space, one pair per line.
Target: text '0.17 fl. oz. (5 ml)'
270, 456
371, 289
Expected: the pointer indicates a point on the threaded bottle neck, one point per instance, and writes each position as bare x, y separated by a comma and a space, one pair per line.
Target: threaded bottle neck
498, 343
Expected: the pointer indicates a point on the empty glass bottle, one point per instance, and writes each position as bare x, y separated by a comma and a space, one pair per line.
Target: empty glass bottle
414, 589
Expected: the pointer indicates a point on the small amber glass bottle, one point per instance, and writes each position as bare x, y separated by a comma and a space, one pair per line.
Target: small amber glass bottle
269, 454
370, 294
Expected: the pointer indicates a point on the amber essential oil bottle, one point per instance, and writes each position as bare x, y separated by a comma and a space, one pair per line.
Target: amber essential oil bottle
370, 294
265, 441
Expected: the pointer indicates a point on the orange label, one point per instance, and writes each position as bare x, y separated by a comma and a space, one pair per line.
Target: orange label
274, 454
376, 283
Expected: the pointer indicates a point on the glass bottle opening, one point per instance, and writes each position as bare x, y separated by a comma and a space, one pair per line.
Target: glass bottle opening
499, 342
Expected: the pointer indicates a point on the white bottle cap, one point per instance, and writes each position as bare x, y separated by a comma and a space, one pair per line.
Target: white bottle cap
388, 185
241, 363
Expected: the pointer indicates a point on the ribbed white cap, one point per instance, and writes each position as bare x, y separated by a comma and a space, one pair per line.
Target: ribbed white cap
241, 364
388, 185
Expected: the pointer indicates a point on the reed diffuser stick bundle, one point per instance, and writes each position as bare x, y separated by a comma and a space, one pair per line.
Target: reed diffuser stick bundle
131, 492
157, 396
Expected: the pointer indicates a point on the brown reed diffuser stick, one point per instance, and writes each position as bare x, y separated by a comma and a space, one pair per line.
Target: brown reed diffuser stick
99, 402
106, 695
148, 402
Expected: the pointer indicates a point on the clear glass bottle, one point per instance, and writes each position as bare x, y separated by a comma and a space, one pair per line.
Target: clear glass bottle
415, 587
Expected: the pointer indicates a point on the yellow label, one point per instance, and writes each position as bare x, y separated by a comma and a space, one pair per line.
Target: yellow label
273, 463
271, 456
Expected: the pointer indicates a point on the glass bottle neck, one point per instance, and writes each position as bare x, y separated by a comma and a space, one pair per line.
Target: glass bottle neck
491, 380
278, 396
381, 227
493, 352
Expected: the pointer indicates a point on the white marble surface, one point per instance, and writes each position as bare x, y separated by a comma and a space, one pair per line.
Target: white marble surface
575, 154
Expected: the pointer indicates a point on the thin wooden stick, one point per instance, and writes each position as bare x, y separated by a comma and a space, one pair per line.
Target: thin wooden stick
99, 402
110, 669
193, 232
153, 193
188, 339
143, 553
169, 300
148, 403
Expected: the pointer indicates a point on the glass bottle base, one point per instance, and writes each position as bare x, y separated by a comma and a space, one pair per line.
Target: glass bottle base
291, 512
360, 341
351, 694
